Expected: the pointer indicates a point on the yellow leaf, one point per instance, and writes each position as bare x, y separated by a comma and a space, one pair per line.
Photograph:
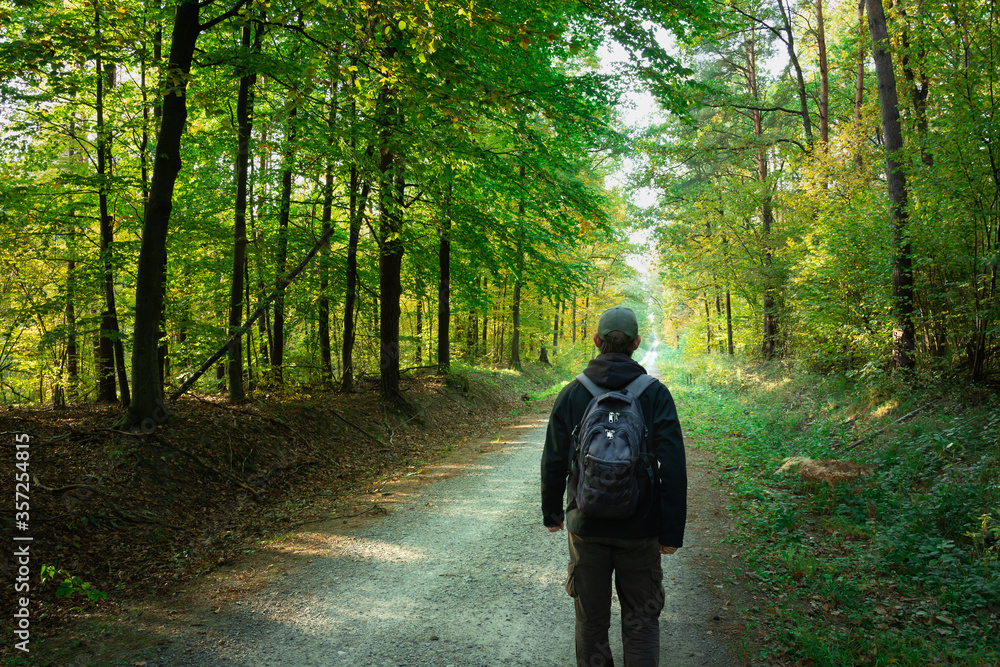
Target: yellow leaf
422, 58
525, 43
402, 25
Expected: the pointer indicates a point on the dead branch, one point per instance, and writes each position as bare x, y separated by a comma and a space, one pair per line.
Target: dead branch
887, 427
373, 508
353, 425
200, 461
107, 500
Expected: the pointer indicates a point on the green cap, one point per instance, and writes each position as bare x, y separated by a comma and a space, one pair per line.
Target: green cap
618, 318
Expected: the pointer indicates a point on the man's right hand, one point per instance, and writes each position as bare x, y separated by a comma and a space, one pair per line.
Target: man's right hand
555, 529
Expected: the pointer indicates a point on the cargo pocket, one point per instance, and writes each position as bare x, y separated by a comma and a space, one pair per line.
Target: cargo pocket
571, 581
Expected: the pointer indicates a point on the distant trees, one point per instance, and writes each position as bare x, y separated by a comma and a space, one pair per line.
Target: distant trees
876, 246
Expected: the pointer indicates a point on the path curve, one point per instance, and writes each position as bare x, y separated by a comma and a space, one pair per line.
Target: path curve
463, 575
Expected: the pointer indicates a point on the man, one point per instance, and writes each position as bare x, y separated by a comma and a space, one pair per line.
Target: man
629, 547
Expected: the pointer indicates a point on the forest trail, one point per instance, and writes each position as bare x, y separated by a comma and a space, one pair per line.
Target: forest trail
461, 573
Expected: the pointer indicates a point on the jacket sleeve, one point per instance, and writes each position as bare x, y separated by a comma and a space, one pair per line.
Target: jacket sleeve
555, 458
668, 444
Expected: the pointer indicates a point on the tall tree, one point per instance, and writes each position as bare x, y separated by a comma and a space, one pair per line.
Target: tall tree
244, 130
904, 340
146, 408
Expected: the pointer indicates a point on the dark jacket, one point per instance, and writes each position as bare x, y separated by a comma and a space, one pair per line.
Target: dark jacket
665, 512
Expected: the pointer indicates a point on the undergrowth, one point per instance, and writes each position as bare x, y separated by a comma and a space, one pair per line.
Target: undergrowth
898, 568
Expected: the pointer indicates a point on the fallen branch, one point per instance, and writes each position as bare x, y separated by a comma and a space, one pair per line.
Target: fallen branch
103, 496
353, 425
234, 336
373, 508
217, 471
887, 427
277, 470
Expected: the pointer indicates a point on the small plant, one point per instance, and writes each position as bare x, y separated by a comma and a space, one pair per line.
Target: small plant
70, 585
986, 541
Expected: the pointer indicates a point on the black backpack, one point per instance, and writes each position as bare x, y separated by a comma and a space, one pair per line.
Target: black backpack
609, 457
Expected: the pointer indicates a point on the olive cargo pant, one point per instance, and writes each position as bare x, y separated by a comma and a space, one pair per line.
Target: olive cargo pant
639, 582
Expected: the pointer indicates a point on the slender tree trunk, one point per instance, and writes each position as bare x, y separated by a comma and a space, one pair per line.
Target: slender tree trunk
278, 344
718, 309
244, 129
515, 335
263, 322
708, 325
444, 277
904, 337
419, 356
799, 79
72, 351
824, 80
486, 317
729, 324
918, 91
325, 353
146, 408
543, 355
555, 330
358, 205
770, 339
107, 75
859, 82
573, 315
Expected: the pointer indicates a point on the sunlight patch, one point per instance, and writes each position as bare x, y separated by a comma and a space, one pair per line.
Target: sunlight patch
361, 549
885, 409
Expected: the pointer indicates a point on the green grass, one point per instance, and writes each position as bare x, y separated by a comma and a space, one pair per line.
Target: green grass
902, 568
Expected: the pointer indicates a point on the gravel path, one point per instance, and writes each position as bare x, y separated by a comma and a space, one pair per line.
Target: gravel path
464, 575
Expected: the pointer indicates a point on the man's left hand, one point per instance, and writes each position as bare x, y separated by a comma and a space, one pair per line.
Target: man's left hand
666, 551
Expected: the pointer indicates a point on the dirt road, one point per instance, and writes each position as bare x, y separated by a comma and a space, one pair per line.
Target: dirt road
460, 573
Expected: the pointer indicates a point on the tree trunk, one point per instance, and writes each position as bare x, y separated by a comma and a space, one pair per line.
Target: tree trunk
358, 204
515, 335
573, 315
419, 334
824, 81
729, 323
391, 189
543, 355
104, 362
72, 351
769, 345
244, 128
106, 221
444, 277
708, 325
146, 408
325, 353
918, 91
859, 82
278, 343
904, 337
799, 79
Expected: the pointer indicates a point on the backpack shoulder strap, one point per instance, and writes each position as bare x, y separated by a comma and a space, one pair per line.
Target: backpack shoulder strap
591, 386
640, 384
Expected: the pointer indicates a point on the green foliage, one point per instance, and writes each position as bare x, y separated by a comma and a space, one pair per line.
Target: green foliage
70, 585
